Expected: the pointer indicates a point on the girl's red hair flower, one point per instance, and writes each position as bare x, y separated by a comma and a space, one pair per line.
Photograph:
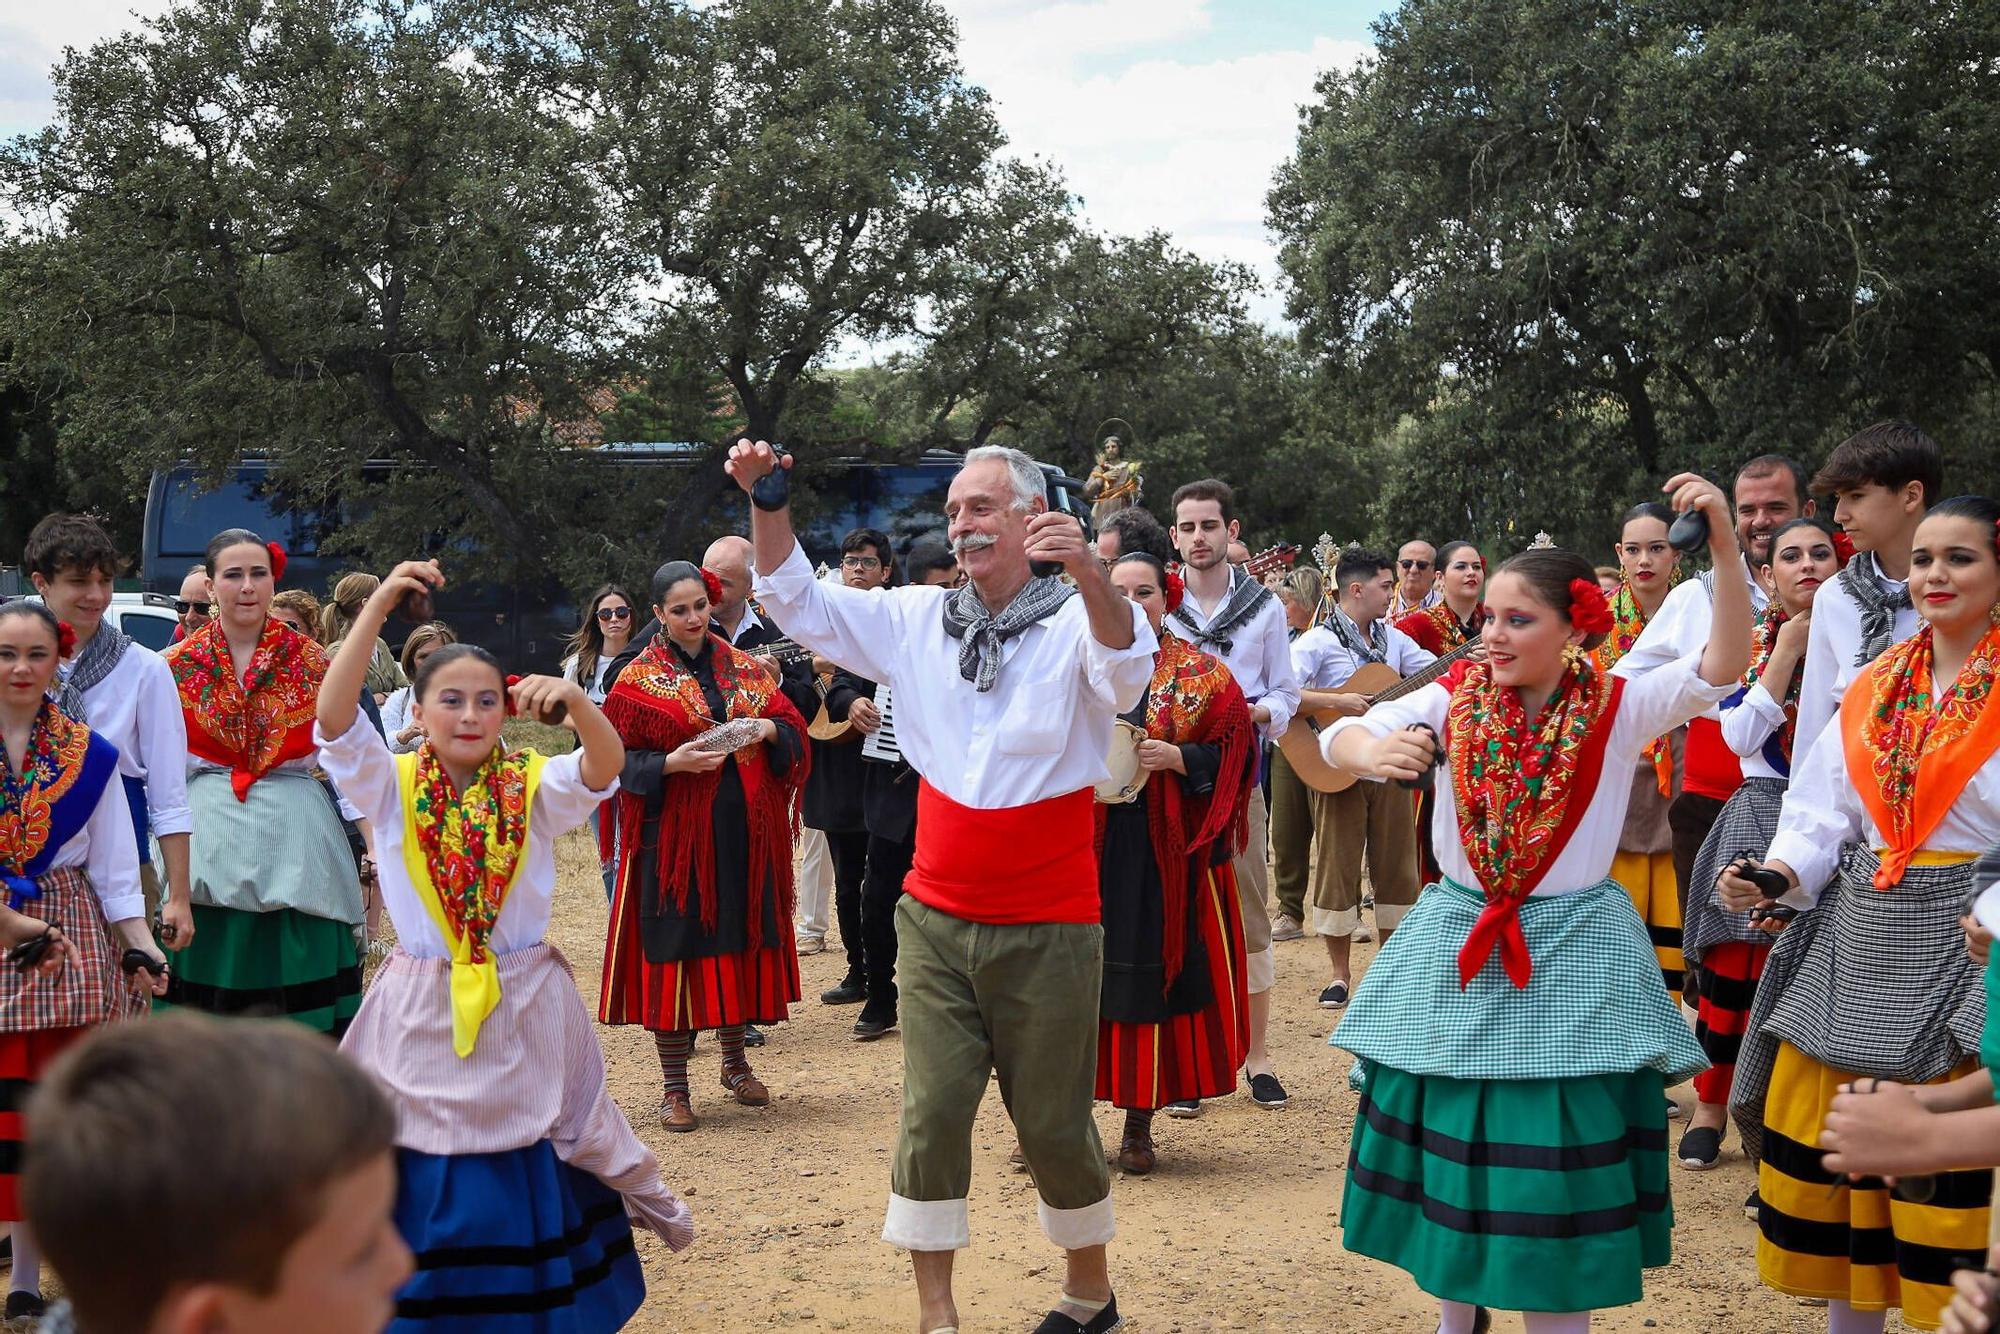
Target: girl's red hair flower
1174, 590
1843, 548
278, 560
713, 583
65, 639
1588, 611
512, 681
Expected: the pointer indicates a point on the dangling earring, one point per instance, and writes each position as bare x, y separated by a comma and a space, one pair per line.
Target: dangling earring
1572, 655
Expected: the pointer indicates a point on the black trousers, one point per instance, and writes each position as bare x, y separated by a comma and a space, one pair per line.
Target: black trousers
888, 864
849, 850
1689, 817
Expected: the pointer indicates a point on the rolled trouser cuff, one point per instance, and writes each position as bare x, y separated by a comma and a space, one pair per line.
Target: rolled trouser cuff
1339, 923
1389, 916
1074, 1229
936, 1225
1260, 971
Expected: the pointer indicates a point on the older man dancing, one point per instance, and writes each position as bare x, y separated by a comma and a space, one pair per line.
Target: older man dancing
1006, 691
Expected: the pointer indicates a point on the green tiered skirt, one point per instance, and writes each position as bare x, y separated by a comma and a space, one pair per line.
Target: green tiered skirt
283, 963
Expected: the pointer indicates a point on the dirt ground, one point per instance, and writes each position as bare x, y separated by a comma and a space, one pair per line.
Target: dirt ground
1237, 1229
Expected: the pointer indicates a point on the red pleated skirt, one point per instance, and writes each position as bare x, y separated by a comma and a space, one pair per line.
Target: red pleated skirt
1141, 1067
720, 991
24, 1057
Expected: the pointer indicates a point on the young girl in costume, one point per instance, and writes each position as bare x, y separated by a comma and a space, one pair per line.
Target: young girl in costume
69, 868
1515, 1038
1873, 984
1726, 950
1649, 568
1174, 1022
700, 932
516, 1171
275, 896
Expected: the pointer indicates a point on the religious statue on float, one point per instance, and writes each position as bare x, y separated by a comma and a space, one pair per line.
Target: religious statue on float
1114, 484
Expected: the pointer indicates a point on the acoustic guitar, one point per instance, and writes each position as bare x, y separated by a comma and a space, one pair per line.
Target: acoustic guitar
1380, 683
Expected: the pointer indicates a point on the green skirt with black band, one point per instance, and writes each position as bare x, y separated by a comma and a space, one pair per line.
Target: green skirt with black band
1511, 1146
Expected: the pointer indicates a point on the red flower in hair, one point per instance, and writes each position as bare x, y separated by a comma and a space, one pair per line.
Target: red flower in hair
508, 694
1174, 590
65, 639
278, 560
1588, 611
713, 583
1843, 547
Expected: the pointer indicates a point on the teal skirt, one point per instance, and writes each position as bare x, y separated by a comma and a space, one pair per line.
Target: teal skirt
1517, 1195
285, 964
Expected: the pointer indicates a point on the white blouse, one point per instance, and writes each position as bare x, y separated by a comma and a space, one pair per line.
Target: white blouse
359, 761
108, 854
1648, 706
1823, 812
395, 717
1748, 724
137, 708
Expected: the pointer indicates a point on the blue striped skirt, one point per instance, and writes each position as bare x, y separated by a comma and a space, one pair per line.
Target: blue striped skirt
513, 1243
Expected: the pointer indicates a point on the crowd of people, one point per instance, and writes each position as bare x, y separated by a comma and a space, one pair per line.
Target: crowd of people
1614, 830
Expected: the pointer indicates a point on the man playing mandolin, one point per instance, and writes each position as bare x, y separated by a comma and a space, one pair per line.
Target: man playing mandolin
1332, 662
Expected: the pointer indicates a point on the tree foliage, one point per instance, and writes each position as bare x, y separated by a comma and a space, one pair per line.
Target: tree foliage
1550, 252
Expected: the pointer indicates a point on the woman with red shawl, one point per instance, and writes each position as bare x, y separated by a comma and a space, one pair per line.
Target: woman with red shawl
701, 922
272, 880
1174, 1022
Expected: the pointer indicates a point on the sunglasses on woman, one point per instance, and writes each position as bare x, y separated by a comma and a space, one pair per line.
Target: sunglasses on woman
608, 614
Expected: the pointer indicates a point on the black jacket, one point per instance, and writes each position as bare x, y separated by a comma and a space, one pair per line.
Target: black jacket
888, 791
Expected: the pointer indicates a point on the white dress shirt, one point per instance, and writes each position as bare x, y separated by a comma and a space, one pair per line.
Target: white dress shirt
1650, 705
108, 854
1259, 657
137, 708
1830, 648
1823, 812
1680, 627
1747, 724
359, 762
1322, 662
1042, 731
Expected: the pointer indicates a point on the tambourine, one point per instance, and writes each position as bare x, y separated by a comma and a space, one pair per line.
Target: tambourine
1127, 779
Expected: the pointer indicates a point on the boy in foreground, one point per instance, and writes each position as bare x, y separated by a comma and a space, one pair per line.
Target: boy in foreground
189, 1176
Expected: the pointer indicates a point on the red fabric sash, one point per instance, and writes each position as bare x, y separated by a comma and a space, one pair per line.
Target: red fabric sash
1709, 767
1010, 866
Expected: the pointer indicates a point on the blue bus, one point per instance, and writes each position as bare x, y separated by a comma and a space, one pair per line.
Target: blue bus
525, 625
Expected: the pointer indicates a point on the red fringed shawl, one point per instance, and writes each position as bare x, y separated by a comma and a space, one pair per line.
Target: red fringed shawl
255, 724
658, 705
1193, 700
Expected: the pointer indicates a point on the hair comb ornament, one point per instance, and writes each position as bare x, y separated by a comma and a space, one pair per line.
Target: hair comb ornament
1588, 611
278, 560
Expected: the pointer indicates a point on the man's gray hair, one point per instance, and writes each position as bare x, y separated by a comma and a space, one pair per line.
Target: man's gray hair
1025, 472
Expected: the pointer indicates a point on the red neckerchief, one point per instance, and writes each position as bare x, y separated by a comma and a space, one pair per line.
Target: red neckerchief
255, 724
1521, 791
1765, 640
658, 704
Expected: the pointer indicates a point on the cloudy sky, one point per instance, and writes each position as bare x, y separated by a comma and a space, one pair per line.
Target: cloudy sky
1165, 114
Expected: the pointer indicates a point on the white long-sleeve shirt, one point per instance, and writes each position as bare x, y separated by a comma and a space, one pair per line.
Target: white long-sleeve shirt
1042, 731
1322, 662
1830, 648
1649, 705
359, 763
1259, 657
1823, 813
137, 708
109, 855
1750, 722
1680, 627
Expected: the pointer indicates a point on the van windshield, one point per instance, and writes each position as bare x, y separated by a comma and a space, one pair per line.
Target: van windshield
906, 501
191, 515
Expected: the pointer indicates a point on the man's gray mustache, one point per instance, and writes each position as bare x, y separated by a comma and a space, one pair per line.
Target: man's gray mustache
972, 542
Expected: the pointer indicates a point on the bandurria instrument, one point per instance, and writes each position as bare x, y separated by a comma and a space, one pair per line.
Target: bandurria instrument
1127, 779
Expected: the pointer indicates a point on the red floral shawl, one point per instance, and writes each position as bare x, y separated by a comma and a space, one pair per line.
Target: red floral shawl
658, 705
255, 724
1193, 700
1911, 748
1522, 790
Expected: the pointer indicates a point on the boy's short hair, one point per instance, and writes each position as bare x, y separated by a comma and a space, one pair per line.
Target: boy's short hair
1358, 564
187, 1150
71, 542
1891, 454
1208, 488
